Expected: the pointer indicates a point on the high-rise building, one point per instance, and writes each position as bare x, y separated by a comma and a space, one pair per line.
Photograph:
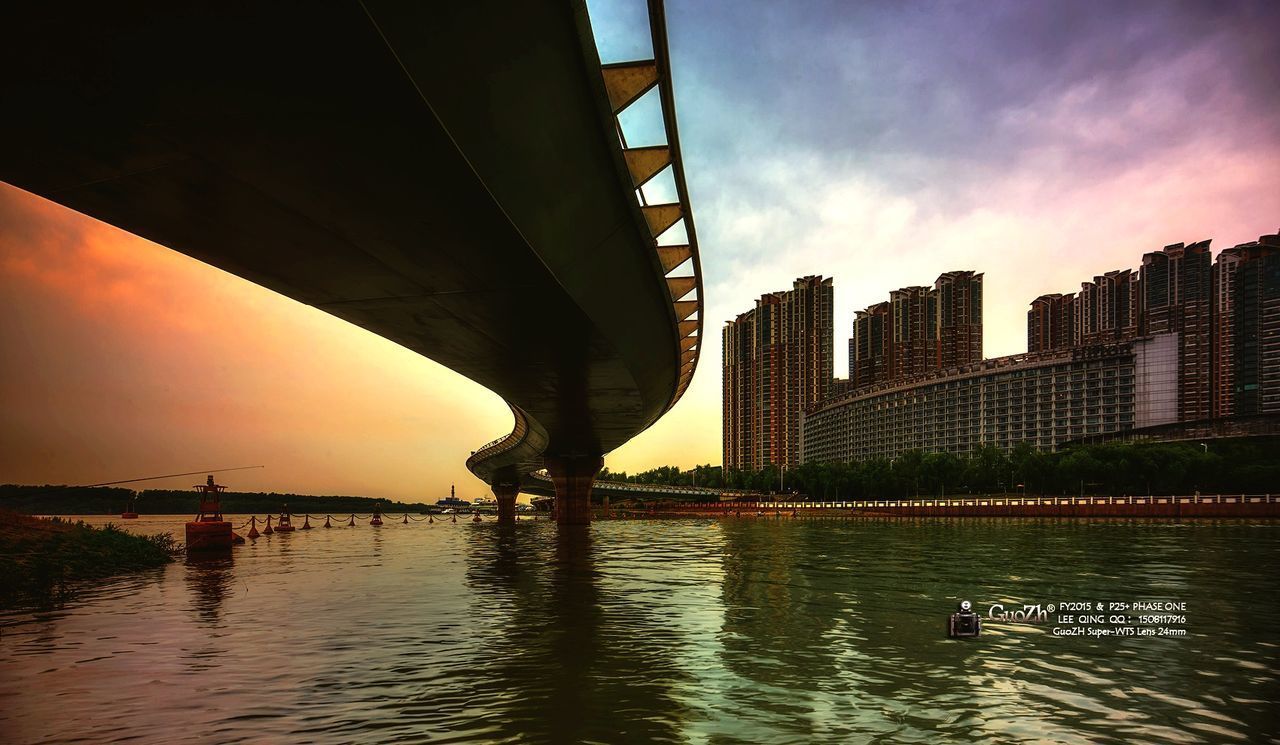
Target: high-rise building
1107, 309
1246, 329
870, 346
959, 304
777, 362
913, 314
1177, 297
1051, 323
919, 330
739, 367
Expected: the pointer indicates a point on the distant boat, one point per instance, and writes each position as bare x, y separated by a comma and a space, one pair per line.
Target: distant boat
452, 501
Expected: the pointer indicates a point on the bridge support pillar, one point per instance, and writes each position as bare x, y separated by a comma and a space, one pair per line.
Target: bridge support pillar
573, 477
506, 496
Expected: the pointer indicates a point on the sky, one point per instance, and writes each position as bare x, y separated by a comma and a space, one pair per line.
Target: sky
880, 143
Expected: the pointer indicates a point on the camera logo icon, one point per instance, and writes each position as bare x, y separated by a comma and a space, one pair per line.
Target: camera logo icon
964, 622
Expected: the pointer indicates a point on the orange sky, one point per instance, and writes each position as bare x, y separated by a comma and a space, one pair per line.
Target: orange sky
126, 359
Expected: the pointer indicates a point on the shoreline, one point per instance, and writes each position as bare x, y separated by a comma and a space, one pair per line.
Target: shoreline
44, 559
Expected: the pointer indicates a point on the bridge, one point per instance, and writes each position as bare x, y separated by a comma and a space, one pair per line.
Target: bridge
540, 483
453, 177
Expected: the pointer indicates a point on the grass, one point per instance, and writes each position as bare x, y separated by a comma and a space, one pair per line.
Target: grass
43, 560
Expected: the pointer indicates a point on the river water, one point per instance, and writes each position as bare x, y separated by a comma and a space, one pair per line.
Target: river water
706, 631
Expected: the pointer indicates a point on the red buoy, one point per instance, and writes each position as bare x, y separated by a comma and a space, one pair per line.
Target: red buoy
268, 530
326, 522
253, 527
376, 519
406, 518
306, 523
352, 523
475, 519
430, 521
284, 524
209, 530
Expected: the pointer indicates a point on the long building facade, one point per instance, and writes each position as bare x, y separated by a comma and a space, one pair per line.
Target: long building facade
1045, 399
777, 362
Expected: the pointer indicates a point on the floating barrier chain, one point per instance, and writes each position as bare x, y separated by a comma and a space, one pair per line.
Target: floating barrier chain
253, 519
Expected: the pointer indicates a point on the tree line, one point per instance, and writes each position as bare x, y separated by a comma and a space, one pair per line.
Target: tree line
108, 500
1218, 467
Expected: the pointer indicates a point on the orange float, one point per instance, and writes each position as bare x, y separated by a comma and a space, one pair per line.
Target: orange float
284, 524
209, 531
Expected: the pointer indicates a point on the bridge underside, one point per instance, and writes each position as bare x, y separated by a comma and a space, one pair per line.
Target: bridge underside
444, 175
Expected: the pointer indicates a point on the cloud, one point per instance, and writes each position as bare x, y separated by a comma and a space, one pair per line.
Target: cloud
877, 142
883, 144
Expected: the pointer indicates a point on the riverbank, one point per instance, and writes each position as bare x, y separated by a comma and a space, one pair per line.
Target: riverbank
1212, 506
43, 559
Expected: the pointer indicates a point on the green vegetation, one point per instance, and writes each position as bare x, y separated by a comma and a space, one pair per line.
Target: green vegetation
1223, 467
41, 560
79, 500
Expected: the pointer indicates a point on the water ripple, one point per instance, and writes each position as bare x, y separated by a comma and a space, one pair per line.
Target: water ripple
751, 630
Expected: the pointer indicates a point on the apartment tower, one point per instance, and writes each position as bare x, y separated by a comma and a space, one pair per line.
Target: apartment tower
777, 361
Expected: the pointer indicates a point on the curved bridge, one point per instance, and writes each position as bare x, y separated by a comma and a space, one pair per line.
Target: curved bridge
450, 176
540, 484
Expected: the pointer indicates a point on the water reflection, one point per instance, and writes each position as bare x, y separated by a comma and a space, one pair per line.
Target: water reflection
738, 630
209, 578
568, 661
823, 653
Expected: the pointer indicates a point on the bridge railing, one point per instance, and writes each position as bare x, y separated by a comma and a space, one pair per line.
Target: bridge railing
642, 488
502, 444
